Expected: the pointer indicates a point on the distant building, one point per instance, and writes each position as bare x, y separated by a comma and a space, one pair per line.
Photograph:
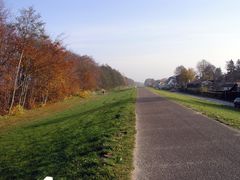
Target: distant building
156, 84
234, 86
172, 82
149, 82
195, 84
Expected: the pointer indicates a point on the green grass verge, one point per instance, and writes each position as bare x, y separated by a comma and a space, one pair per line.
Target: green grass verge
89, 140
225, 114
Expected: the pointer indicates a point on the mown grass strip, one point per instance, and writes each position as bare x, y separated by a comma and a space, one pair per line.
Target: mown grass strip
90, 140
225, 114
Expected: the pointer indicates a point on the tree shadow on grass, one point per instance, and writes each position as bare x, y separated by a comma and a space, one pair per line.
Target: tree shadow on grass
75, 115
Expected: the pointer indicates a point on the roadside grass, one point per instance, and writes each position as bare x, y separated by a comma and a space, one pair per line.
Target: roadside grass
93, 139
224, 114
10, 121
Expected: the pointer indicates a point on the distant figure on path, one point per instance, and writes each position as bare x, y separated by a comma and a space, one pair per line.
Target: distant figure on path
103, 91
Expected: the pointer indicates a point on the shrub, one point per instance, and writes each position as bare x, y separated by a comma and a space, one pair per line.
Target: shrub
84, 94
17, 110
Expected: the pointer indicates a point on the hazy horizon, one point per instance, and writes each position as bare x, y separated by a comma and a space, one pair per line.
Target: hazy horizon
144, 39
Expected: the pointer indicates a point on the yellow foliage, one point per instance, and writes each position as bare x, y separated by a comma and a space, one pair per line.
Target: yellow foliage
17, 110
42, 104
84, 94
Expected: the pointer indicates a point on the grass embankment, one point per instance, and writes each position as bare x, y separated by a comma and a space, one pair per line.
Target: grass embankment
90, 139
225, 114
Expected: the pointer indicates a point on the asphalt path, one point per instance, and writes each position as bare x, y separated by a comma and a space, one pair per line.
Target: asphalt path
176, 143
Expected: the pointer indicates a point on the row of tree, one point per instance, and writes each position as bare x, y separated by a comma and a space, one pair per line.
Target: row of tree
184, 75
207, 71
34, 69
233, 70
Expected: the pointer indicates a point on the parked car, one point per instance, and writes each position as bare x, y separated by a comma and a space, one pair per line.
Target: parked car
237, 102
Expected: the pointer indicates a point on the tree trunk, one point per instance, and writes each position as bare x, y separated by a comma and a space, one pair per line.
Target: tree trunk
46, 98
22, 93
15, 83
25, 95
23, 90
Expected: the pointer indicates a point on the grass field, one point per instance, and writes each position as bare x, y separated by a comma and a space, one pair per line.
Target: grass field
76, 139
227, 115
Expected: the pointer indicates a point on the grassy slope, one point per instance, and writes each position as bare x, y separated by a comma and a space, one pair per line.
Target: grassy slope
38, 113
227, 115
89, 140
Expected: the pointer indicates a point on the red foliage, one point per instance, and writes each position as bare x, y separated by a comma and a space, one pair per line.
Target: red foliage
35, 70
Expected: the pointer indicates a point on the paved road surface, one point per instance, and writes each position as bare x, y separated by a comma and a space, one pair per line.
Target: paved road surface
176, 143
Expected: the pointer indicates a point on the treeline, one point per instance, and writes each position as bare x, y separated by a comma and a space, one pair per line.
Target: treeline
34, 69
208, 72
209, 80
206, 77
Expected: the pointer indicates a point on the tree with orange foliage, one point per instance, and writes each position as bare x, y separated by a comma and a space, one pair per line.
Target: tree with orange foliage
35, 70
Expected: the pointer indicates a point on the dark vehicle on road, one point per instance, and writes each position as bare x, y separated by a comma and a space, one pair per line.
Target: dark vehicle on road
237, 102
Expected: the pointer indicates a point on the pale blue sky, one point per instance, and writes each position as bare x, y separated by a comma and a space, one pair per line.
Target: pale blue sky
143, 38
